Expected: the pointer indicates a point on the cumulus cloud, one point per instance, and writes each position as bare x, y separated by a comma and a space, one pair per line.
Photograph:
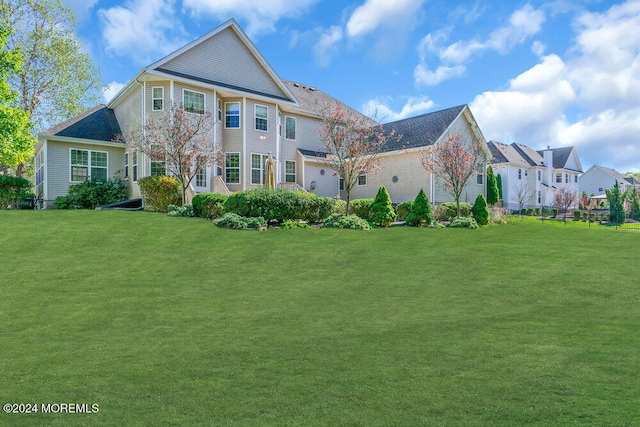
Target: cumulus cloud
261, 16
143, 30
378, 13
599, 82
111, 90
423, 76
379, 108
327, 45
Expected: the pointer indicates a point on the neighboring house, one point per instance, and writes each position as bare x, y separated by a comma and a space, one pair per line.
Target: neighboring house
256, 114
538, 174
598, 178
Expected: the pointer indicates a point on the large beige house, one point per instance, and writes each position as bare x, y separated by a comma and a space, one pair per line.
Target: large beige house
255, 114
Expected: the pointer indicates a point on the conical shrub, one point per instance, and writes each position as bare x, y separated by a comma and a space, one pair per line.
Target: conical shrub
480, 211
420, 210
382, 212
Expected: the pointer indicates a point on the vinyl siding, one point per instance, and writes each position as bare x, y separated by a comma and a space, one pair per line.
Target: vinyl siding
226, 59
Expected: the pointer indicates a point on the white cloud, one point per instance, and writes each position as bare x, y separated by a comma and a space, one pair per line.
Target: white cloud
81, 8
111, 90
327, 45
376, 13
423, 76
261, 16
380, 110
144, 30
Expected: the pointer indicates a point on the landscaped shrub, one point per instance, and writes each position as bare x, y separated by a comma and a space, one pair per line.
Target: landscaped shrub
530, 211
361, 208
160, 191
420, 210
584, 215
554, 212
287, 225
339, 206
592, 216
382, 213
480, 211
523, 211
184, 211
352, 222
402, 210
464, 222
448, 210
208, 205
576, 214
12, 191
232, 220
499, 215
93, 193
280, 205
538, 211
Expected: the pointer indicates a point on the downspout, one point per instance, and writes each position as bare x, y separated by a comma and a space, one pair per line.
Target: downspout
244, 143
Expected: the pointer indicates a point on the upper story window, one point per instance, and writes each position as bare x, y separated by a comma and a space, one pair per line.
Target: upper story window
566, 178
219, 110
126, 165
519, 173
290, 128
262, 117
558, 178
87, 164
575, 178
157, 96
232, 115
193, 101
480, 175
539, 175
135, 166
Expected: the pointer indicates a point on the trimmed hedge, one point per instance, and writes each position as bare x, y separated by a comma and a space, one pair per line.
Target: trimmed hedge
352, 222
403, 209
12, 191
92, 194
208, 205
160, 191
361, 208
280, 205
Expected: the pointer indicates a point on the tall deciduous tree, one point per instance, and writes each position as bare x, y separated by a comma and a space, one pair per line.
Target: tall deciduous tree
183, 139
57, 80
353, 143
454, 161
616, 197
564, 199
493, 195
16, 142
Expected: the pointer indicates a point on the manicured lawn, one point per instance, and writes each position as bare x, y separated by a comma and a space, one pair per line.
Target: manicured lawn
171, 321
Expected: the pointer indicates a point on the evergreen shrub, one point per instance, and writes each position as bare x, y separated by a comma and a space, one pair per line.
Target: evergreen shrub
181, 211
464, 222
209, 205
235, 221
352, 222
160, 191
420, 210
93, 193
12, 191
382, 213
402, 210
361, 208
480, 210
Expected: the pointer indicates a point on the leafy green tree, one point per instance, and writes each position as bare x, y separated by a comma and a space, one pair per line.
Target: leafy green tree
633, 199
420, 210
57, 79
493, 194
382, 212
615, 197
499, 185
16, 143
480, 210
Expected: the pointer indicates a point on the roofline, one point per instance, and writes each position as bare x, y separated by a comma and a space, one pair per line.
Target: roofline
46, 138
118, 97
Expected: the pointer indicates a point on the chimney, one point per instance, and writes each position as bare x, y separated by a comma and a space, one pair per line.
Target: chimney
548, 163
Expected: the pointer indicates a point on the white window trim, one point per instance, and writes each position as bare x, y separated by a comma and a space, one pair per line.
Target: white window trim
239, 168
366, 181
294, 170
153, 99
151, 162
88, 163
263, 159
201, 170
204, 99
134, 164
239, 114
295, 127
255, 118
126, 164
219, 106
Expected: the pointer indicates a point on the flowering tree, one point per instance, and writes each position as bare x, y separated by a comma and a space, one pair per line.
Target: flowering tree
522, 194
353, 143
565, 199
182, 139
454, 161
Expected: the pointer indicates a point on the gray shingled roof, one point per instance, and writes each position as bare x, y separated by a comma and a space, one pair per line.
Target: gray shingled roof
632, 180
532, 157
560, 156
311, 153
98, 123
503, 153
420, 131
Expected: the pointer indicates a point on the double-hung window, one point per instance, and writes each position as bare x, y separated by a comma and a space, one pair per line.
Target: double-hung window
539, 175
126, 164
158, 167
290, 171
219, 110
290, 128
201, 177
135, 166
232, 168
232, 115
480, 175
262, 117
558, 178
87, 164
157, 97
193, 101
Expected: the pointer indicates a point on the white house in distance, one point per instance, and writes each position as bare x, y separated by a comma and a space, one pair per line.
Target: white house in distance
598, 178
255, 113
539, 174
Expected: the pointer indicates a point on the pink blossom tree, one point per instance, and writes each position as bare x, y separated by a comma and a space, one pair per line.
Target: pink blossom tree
353, 143
181, 138
565, 199
454, 161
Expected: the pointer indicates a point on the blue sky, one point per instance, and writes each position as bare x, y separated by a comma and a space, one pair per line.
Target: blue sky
541, 73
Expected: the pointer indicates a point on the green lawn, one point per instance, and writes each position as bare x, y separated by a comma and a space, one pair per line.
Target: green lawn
172, 321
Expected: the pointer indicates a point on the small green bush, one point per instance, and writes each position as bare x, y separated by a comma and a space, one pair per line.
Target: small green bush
538, 211
480, 210
576, 214
235, 221
12, 191
209, 205
382, 213
181, 211
361, 208
288, 225
93, 193
420, 210
584, 215
352, 222
554, 212
160, 191
448, 210
592, 216
340, 206
464, 222
402, 210
523, 211
530, 211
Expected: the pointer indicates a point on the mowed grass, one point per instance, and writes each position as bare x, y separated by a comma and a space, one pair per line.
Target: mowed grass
172, 321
